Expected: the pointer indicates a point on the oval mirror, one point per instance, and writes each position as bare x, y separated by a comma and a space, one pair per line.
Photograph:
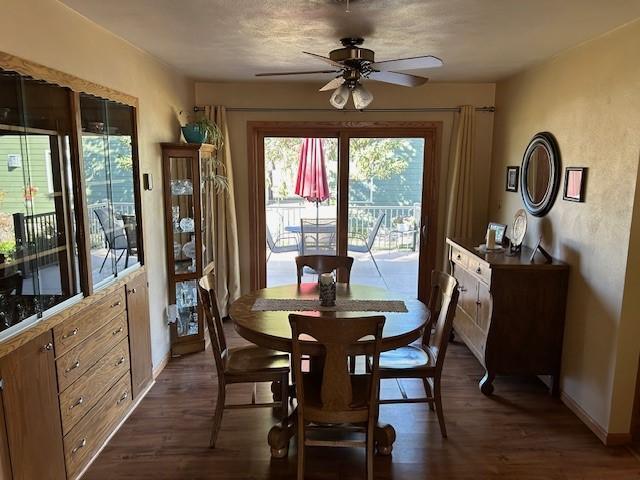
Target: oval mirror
540, 179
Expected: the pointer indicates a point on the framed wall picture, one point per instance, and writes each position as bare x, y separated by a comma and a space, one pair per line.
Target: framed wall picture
512, 178
575, 179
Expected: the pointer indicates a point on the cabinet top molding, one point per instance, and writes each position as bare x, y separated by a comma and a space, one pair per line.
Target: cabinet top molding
51, 75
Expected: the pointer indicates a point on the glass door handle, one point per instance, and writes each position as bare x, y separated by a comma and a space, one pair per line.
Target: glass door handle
424, 230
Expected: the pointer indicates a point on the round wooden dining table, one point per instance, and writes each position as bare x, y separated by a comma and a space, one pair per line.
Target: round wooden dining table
270, 329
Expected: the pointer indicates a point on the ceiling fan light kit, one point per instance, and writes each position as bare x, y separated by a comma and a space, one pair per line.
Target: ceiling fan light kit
340, 97
354, 64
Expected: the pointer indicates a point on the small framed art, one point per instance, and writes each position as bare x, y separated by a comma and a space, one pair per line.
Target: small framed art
500, 230
575, 179
512, 178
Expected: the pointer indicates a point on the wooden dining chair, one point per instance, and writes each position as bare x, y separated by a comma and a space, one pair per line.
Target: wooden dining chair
324, 264
250, 364
334, 396
425, 361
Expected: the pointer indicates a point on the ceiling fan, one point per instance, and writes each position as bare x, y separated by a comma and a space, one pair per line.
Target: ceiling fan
354, 64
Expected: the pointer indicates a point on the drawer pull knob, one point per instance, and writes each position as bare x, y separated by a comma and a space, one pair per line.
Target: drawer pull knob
133, 290
116, 332
478, 270
458, 256
462, 289
72, 333
75, 365
47, 347
78, 402
120, 361
117, 304
122, 398
478, 303
82, 443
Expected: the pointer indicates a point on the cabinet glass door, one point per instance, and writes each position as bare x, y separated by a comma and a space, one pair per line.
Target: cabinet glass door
187, 306
107, 132
183, 215
38, 251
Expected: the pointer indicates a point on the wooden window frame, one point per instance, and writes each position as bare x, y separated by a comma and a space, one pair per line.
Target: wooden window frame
343, 131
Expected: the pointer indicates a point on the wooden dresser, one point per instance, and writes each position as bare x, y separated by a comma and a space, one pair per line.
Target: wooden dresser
69, 382
510, 311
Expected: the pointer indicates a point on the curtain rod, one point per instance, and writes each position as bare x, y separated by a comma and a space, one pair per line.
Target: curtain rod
294, 109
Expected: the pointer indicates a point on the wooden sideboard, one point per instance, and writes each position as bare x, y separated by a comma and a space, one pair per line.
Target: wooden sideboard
69, 381
510, 312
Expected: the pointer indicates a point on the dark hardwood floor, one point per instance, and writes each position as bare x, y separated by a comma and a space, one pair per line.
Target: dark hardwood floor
519, 433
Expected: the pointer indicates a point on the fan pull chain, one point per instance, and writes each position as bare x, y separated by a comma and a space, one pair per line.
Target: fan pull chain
347, 10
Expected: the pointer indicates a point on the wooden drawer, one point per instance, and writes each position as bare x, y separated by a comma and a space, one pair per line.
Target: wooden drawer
79, 359
77, 328
80, 397
480, 269
82, 442
459, 256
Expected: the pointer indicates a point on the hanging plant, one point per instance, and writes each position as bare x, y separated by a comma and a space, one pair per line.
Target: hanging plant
202, 130
217, 177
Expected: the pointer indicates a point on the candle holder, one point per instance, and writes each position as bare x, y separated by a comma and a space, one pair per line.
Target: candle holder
327, 285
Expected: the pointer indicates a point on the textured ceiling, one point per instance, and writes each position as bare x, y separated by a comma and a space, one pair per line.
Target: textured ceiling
479, 40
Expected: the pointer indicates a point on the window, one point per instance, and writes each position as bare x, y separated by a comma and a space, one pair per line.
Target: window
41, 259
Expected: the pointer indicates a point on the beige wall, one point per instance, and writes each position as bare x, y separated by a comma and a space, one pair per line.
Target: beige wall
386, 96
47, 32
589, 99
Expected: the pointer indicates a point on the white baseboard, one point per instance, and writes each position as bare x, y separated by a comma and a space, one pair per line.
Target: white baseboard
163, 363
608, 439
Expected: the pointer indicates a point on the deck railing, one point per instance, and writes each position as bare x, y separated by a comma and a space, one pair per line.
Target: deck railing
397, 218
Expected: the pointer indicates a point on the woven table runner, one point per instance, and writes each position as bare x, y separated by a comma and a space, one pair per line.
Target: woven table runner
342, 305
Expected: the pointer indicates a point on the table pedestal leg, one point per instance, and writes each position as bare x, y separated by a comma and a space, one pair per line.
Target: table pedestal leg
280, 434
384, 435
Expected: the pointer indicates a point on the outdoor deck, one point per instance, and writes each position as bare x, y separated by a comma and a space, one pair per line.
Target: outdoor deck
399, 270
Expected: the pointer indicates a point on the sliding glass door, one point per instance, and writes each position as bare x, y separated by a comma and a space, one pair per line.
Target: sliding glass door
364, 191
385, 211
301, 176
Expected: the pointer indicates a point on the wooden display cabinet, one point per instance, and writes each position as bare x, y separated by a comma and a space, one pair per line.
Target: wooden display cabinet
182, 167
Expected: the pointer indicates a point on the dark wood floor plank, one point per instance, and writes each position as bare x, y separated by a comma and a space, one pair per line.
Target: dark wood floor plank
520, 433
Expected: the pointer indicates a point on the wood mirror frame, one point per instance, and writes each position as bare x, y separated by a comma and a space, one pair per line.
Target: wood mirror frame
546, 141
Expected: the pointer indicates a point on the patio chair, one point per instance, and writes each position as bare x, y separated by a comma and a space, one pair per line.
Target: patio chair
317, 237
275, 248
367, 242
114, 234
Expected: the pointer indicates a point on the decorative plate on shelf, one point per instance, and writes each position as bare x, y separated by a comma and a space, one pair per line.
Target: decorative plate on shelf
519, 228
187, 224
189, 248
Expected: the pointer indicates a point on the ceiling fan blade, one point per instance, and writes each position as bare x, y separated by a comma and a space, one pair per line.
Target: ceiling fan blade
326, 60
333, 84
414, 63
398, 78
308, 72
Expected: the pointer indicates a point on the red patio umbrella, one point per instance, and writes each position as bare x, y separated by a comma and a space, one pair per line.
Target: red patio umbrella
311, 183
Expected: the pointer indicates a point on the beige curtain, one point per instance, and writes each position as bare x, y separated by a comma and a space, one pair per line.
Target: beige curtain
221, 227
460, 202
